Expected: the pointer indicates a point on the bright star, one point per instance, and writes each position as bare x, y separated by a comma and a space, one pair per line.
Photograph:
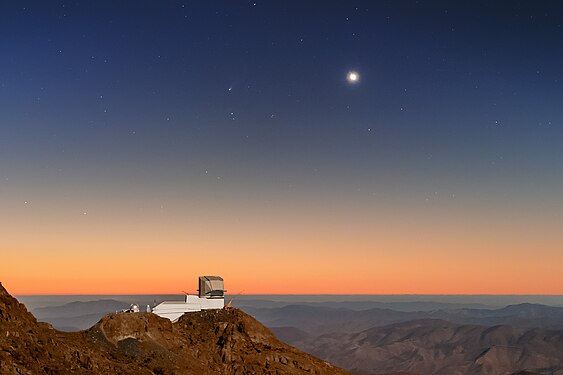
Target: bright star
353, 77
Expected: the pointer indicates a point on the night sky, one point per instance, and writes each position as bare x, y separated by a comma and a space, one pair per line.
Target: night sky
145, 143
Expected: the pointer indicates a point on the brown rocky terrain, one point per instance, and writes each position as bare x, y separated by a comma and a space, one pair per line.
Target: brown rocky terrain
210, 342
438, 347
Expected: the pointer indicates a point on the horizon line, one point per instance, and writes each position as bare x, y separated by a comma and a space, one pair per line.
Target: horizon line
300, 294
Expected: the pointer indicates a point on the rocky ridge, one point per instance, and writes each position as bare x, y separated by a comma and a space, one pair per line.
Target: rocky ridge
210, 342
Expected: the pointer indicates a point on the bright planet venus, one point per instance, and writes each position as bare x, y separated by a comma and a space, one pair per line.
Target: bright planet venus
353, 77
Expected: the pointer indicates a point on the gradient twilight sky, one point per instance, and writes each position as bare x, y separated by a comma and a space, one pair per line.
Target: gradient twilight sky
145, 143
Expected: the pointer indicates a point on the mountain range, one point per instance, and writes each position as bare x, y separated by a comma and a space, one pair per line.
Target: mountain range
439, 339
450, 341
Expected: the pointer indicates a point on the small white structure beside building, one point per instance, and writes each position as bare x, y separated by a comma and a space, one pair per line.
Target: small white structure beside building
211, 295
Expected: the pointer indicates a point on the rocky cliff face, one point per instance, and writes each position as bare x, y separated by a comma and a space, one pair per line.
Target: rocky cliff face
209, 342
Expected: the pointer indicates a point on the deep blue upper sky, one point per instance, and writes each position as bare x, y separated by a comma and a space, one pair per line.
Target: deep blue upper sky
464, 81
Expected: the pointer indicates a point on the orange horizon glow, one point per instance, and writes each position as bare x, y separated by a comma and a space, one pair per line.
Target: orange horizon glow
298, 248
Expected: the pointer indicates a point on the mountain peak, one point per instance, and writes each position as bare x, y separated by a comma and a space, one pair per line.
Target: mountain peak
210, 342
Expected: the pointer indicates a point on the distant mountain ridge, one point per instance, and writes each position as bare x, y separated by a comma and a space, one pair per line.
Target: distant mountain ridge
405, 306
442, 348
77, 316
441, 342
317, 320
78, 308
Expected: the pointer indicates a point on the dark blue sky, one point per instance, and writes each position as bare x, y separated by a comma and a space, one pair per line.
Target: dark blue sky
160, 103
469, 82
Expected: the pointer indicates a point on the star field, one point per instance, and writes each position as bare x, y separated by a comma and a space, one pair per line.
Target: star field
358, 132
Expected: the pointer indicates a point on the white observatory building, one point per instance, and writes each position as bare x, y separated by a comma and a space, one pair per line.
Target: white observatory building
211, 296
